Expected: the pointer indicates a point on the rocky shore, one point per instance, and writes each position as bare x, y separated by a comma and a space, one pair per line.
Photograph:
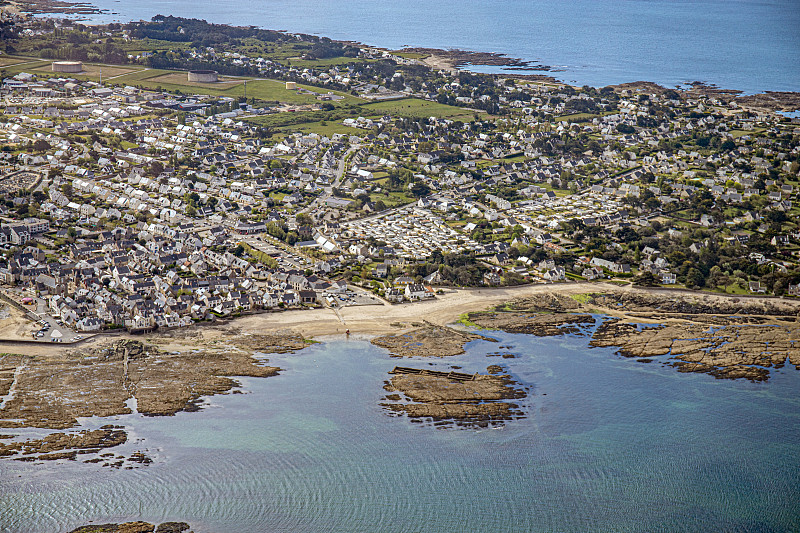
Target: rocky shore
725, 337
46, 7
135, 527
427, 341
452, 398
454, 59
116, 378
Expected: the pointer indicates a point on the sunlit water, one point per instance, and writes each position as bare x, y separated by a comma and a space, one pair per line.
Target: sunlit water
750, 45
609, 444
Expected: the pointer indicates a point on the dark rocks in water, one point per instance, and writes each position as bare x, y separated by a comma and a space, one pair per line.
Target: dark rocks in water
465, 400
135, 527
644, 360
428, 341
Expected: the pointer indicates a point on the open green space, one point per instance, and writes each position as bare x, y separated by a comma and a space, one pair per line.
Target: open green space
416, 108
322, 127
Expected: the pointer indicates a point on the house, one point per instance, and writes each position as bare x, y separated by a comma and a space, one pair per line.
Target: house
556, 274
381, 270
307, 296
491, 278
591, 273
416, 292
756, 287
394, 295
433, 279
669, 278
89, 324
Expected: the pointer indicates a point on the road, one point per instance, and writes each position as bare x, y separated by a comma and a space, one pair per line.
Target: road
336, 182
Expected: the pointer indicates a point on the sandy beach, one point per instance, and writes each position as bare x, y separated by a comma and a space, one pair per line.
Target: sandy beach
371, 320
376, 319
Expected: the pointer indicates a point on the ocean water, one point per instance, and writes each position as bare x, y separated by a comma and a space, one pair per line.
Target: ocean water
608, 444
749, 45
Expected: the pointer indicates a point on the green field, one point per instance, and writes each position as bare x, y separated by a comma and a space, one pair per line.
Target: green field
324, 127
260, 88
393, 199
409, 55
416, 108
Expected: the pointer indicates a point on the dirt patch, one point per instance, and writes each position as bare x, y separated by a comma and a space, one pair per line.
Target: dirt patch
14, 325
427, 341
450, 398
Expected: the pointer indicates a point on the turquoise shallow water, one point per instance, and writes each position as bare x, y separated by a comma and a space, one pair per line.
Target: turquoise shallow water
609, 444
750, 45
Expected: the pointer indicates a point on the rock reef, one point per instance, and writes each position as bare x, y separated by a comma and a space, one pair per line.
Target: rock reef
452, 398
135, 527
53, 392
427, 341
726, 337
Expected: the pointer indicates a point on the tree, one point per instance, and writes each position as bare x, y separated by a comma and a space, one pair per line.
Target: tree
40, 145
156, 168
646, 279
626, 129
304, 219
419, 189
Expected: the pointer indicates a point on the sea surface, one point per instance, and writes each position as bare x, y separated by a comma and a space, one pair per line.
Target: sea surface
609, 444
748, 45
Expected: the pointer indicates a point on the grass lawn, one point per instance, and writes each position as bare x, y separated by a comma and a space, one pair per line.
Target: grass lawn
734, 288
741, 133
172, 80
262, 89
92, 72
409, 55
393, 200
416, 108
323, 127
7, 60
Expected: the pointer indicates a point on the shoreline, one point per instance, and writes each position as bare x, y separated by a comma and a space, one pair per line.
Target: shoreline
454, 60
366, 322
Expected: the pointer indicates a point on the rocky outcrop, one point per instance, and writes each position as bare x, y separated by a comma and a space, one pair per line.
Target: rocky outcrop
730, 351
135, 527
464, 400
428, 341
541, 325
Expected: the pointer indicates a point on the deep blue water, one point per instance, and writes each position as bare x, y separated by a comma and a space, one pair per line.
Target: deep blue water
750, 45
609, 444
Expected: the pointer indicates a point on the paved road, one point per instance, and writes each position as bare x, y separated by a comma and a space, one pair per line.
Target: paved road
336, 182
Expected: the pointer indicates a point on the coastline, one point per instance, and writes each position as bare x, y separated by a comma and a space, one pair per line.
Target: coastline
365, 322
458, 59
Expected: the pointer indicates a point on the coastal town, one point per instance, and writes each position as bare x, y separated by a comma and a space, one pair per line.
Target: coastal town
155, 181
